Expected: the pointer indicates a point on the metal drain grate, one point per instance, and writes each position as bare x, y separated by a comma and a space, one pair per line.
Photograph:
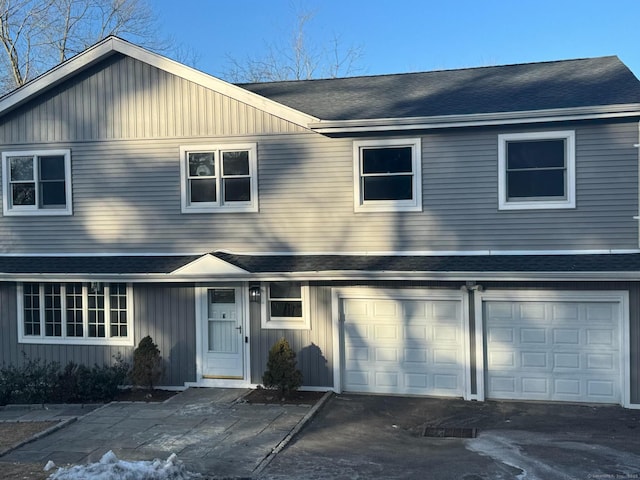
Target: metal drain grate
450, 432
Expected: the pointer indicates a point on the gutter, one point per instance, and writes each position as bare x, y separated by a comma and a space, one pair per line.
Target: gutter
330, 276
476, 119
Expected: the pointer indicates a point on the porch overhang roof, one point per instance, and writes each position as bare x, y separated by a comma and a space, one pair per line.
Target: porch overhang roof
225, 266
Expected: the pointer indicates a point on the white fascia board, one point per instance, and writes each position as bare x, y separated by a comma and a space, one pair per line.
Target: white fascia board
477, 119
112, 45
207, 81
330, 276
56, 75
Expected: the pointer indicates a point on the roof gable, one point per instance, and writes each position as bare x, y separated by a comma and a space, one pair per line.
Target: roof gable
113, 46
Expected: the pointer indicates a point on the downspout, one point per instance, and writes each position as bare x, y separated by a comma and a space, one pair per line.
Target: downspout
637, 217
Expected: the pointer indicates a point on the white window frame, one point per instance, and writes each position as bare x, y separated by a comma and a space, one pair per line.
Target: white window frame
413, 205
285, 323
9, 209
570, 164
64, 339
219, 205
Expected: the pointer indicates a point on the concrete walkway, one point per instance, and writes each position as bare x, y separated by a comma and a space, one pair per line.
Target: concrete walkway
211, 430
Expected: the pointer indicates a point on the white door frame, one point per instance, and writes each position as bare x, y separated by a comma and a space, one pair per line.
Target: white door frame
337, 294
200, 301
618, 296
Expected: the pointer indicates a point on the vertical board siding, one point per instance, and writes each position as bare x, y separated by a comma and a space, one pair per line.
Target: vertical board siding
125, 98
313, 347
15, 353
167, 314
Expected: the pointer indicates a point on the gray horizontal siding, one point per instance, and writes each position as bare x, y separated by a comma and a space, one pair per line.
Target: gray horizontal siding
127, 199
125, 98
313, 347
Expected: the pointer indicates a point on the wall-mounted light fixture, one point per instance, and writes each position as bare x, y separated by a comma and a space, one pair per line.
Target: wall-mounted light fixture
255, 293
95, 287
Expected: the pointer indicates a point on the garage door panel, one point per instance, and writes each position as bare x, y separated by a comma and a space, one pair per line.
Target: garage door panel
500, 335
571, 352
417, 351
533, 335
386, 355
570, 336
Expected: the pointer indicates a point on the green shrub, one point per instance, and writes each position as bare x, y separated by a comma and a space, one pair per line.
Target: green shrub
147, 364
45, 382
281, 372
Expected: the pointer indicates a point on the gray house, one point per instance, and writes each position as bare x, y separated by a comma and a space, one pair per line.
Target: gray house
467, 233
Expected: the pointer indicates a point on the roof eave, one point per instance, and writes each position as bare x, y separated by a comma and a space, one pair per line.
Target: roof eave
476, 119
461, 276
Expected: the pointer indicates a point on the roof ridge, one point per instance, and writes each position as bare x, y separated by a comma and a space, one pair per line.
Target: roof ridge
398, 74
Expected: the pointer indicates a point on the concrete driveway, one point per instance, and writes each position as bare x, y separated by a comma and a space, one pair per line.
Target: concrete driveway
360, 436
211, 430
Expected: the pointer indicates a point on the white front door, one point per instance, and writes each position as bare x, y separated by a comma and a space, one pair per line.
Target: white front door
222, 336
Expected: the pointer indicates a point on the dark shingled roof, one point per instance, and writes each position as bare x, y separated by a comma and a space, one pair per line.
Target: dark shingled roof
95, 265
522, 87
445, 263
265, 264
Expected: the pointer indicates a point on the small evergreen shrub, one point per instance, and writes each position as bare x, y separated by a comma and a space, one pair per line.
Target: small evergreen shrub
147, 364
281, 372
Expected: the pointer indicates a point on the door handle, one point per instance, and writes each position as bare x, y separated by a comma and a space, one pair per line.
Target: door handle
239, 329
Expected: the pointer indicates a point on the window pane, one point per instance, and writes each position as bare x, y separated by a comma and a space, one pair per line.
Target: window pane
203, 190
386, 160
202, 164
285, 290
535, 154
52, 310
31, 298
235, 163
222, 295
398, 187
237, 189
21, 168
118, 307
536, 183
52, 168
291, 308
23, 193
96, 318
75, 327
52, 194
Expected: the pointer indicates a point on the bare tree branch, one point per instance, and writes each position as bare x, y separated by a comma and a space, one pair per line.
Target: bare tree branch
36, 35
299, 58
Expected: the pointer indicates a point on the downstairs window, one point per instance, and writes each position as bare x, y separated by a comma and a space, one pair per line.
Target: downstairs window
75, 313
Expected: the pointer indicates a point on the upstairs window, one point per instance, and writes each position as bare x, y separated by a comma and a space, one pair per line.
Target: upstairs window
219, 178
75, 313
387, 175
536, 170
36, 182
286, 306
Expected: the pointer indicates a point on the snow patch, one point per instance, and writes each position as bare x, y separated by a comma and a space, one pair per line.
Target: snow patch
110, 468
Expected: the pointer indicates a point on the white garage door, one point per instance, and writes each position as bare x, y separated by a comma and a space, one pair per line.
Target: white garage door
553, 350
405, 346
